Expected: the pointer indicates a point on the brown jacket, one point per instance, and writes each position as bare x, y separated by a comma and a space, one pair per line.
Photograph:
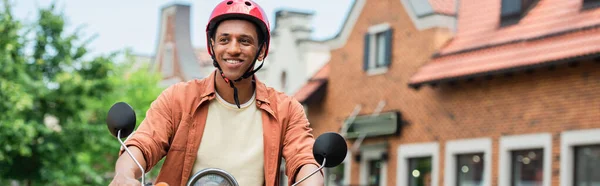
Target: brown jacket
175, 122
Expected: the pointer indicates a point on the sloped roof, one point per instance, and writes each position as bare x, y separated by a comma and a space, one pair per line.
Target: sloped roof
313, 84
553, 30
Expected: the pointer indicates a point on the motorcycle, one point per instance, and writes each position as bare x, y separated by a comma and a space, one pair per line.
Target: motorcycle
329, 150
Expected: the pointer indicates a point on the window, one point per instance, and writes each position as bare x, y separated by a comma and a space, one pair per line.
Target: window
335, 175
419, 171
468, 162
590, 4
513, 10
580, 157
527, 167
587, 165
525, 160
418, 164
339, 175
373, 165
377, 48
380, 41
470, 169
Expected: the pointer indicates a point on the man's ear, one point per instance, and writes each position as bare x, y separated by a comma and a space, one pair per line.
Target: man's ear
261, 56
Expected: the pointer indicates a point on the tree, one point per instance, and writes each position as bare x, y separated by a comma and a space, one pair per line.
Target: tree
54, 102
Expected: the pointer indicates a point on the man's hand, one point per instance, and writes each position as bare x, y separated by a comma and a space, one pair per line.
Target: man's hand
124, 179
127, 170
315, 179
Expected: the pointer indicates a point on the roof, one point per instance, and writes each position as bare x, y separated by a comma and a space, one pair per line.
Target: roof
313, 84
551, 31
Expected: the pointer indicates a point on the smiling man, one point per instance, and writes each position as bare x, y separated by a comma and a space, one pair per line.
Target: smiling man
228, 120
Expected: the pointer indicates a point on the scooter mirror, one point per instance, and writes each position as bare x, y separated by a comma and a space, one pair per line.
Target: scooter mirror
331, 146
121, 117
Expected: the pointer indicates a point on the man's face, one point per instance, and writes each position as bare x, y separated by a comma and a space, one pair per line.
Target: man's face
235, 45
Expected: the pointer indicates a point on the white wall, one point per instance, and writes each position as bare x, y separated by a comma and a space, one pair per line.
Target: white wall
299, 59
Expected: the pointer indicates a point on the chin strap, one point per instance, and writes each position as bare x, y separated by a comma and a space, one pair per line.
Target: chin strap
249, 72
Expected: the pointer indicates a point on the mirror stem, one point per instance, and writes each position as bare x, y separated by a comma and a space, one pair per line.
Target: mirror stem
131, 155
321, 167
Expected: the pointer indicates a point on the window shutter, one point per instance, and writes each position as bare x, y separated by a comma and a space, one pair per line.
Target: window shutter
389, 39
366, 52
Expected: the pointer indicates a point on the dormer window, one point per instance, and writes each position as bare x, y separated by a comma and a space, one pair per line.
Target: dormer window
513, 11
590, 4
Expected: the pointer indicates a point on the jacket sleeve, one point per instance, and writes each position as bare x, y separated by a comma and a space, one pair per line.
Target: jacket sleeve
298, 141
153, 134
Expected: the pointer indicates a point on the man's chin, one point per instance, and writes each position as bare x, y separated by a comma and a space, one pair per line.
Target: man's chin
232, 76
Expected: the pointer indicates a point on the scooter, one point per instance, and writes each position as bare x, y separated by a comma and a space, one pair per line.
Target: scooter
329, 150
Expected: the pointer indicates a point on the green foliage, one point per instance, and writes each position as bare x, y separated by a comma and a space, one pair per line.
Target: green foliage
53, 79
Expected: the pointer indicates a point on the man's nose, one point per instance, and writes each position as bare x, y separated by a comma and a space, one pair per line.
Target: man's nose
234, 48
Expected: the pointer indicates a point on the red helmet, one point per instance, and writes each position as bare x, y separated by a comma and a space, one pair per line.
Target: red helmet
240, 9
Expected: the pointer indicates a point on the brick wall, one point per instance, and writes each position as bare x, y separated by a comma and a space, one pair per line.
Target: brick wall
564, 98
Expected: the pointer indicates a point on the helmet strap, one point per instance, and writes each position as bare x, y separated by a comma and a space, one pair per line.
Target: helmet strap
249, 72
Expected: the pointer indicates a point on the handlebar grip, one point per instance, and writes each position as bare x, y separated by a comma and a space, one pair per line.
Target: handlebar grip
148, 184
161, 184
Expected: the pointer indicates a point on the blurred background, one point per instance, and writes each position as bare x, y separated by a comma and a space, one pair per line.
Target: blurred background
426, 92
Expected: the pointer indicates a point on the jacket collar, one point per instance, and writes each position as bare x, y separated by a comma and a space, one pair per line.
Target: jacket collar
262, 95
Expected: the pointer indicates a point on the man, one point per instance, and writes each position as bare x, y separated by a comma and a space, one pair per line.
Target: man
228, 120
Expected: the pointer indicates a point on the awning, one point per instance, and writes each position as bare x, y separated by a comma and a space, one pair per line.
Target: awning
314, 83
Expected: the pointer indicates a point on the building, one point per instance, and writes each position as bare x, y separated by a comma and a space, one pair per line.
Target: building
175, 57
466, 92
293, 55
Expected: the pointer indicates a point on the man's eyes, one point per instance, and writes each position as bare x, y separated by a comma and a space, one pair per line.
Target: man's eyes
242, 40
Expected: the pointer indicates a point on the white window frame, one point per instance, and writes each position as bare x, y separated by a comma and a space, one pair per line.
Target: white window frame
347, 170
370, 153
467, 146
408, 151
373, 31
523, 142
569, 139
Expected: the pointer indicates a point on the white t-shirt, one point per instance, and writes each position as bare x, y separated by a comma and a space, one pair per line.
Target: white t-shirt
233, 141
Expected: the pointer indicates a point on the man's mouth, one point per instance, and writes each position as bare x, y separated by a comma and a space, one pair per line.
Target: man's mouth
233, 61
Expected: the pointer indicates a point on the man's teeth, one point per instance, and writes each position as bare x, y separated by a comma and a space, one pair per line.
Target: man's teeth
233, 61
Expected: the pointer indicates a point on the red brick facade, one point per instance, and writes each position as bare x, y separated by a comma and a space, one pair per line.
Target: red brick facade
546, 100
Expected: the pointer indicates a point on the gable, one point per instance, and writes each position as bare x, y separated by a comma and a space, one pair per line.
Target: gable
440, 16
